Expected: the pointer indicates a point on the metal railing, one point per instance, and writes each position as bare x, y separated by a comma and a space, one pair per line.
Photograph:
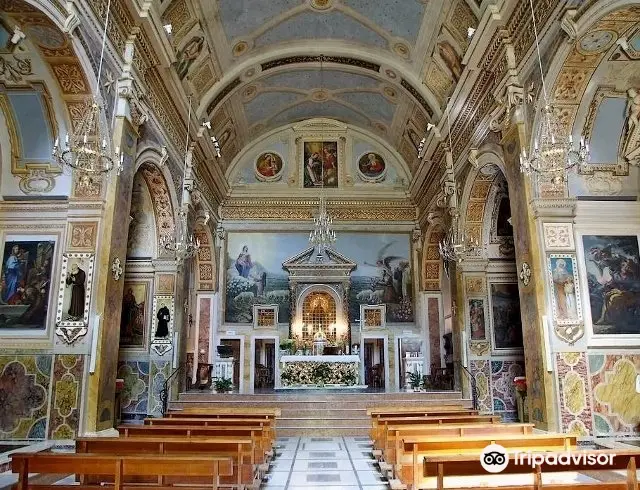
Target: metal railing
472, 383
164, 392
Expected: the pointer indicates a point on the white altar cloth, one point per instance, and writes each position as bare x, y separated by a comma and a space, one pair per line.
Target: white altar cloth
349, 358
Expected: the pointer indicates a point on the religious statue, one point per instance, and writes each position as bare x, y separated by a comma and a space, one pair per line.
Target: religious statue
76, 279
633, 108
163, 322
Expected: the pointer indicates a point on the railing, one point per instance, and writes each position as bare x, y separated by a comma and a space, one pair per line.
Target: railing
164, 392
472, 383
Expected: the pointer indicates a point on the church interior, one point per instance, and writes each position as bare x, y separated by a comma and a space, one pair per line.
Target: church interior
319, 243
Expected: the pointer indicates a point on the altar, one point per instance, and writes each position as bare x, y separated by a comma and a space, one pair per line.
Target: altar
318, 371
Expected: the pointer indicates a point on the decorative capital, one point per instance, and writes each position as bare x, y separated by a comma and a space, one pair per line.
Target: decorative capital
569, 26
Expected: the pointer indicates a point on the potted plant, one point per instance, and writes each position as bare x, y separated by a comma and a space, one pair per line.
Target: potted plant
223, 385
287, 346
415, 380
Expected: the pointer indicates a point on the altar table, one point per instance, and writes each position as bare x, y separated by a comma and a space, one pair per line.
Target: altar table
319, 370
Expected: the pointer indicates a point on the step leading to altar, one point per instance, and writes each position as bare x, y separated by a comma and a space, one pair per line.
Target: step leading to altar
320, 412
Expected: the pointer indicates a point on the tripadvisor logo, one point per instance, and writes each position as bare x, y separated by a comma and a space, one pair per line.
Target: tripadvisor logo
494, 458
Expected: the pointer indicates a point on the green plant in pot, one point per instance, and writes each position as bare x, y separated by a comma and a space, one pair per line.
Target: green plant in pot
287, 345
223, 385
415, 380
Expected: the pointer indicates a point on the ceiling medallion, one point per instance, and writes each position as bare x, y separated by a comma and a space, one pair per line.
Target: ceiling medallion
390, 93
402, 50
391, 74
321, 4
249, 93
319, 95
595, 42
240, 48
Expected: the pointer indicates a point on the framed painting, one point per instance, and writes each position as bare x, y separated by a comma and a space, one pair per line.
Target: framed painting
320, 165
74, 292
612, 265
25, 281
269, 167
133, 319
372, 167
505, 317
477, 319
162, 334
565, 291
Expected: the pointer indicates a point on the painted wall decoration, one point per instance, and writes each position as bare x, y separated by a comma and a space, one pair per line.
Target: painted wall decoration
254, 273
506, 320
74, 294
25, 381
187, 55
613, 274
64, 419
504, 392
25, 281
320, 165
133, 319
616, 405
372, 167
476, 319
574, 393
135, 393
565, 291
269, 167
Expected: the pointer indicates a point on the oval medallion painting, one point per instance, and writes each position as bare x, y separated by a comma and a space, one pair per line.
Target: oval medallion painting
372, 167
269, 167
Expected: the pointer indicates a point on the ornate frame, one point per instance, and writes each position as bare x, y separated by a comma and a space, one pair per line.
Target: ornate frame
262, 178
500, 351
366, 178
382, 309
256, 313
71, 330
577, 291
162, 345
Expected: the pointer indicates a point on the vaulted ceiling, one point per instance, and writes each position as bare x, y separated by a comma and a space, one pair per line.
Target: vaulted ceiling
254, 65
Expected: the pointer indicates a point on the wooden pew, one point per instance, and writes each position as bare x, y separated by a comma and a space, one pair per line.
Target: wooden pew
240, 450
414, 448
441, 466
377, 432
121, 470
225, 412
185, 427
396, 410
267, 424
394, 434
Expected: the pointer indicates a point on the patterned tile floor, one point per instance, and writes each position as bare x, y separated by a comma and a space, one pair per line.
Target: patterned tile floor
327, 463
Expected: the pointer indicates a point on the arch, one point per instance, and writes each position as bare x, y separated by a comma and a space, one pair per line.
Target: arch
341, 318
206, 278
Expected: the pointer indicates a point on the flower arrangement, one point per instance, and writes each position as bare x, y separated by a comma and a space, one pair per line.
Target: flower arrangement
319, 373
520, 382
287, 344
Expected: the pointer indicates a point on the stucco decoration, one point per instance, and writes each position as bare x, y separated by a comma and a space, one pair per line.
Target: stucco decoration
558, 236
161, 198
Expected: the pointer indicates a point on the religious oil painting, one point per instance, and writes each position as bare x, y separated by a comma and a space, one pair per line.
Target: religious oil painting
269, 167
372, 167
133, 319
163, 322
613, 277
565, 293
476, 319
255, 276
320, 164
25, 283
505, 309
74, 293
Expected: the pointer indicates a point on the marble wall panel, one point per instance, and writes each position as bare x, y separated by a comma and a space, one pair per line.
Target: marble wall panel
68, 371
25, 391
574, 393
616, 404
433, 317
160, 371
503, 390
135, 394
481, 372
204, 326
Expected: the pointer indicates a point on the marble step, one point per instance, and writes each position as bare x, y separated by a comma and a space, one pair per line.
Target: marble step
433, 397
323, 431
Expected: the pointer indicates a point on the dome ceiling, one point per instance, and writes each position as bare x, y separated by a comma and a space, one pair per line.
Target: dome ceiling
257, 65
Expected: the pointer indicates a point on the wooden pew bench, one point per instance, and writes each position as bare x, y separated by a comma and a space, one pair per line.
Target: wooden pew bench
226, 412
377, 432
267, 424
395, 434
410, 455
123, 471
240, 450
439, 467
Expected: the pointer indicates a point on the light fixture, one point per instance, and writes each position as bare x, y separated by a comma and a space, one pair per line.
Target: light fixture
87, 150
552, 156
322, 236
184, 244
168, 28
455, 245
470, 32
421, 146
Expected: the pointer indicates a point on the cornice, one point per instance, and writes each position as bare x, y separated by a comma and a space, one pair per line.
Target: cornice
560, 208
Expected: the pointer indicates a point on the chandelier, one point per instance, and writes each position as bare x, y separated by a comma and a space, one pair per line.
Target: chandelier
322, 235
87, 150
185, 245
552, 156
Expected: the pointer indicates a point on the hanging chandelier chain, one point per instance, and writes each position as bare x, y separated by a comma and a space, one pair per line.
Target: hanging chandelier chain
104, 43
535, 32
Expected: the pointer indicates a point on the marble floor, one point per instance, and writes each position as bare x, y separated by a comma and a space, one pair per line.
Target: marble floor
326, 463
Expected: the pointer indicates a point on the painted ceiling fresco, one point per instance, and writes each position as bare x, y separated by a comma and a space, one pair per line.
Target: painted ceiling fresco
258, 65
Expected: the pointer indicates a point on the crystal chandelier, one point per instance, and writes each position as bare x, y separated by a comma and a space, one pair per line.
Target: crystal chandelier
185, 245
87, 150
551, 156
322, 235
